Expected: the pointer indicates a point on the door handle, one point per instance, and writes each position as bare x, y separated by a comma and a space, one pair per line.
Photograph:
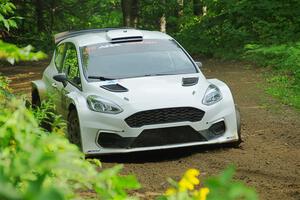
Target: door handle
54, 85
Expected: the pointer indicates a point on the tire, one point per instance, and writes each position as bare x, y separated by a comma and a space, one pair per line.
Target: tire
74, 128
35, 99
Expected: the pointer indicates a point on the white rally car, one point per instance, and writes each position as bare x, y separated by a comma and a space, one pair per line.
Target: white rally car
126, 90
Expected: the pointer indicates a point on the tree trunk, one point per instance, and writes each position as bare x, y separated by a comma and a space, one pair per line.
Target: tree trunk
134, 13
163, 20
130, 12
180, 7
197, 7
126, 10
163, 23
39, 8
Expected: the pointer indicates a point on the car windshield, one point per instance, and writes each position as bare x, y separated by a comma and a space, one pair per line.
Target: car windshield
106, 61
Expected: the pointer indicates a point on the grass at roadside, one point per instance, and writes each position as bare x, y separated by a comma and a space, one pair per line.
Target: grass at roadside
280, 86
284, 80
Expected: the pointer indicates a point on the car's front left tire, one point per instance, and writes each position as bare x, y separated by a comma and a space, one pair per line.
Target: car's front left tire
35, 99
74, 128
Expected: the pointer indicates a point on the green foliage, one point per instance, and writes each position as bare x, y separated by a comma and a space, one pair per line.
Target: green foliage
225, 28
5, 91
36, 165
7, 8
285, 59
224, 186
151, 11
13, 54
41, 22
47, 119
8, 51
283, 87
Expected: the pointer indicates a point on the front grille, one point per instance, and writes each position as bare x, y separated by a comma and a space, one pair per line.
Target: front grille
164, 115
167, 136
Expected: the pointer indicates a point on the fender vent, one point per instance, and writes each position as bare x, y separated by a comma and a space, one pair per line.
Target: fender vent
114, 88
190, 81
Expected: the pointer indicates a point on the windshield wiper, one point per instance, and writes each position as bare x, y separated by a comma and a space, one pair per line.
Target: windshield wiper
101, 78
161, 74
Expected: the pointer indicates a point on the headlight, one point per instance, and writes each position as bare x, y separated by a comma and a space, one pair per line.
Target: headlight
212, 95
98, 104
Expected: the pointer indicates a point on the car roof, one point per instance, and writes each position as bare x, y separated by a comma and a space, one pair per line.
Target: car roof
94, 36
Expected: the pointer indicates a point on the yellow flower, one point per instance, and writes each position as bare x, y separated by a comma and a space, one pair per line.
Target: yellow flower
189, 180
170, 191
192, 173
185, 184
203, 193
194, 180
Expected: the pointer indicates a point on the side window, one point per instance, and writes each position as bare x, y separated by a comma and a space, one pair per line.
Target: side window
71, 67
59, 57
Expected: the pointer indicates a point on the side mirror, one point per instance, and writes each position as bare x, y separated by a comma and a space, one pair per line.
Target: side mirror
199, 64
61, 78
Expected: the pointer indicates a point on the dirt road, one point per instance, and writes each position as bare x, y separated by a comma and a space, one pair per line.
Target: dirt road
268, 159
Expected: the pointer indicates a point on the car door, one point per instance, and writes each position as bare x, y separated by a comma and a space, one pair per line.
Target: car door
71, 69
55, 87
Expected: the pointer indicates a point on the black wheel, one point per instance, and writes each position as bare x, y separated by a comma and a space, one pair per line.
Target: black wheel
74, 128
35, 99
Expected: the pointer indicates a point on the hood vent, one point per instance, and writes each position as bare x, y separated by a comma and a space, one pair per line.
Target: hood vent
190, 81
114, 88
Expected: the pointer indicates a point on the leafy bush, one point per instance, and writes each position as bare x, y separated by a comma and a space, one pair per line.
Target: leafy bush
13, 54
216, 188
285, 59
5, 90
47, 119
8, 51
36, 165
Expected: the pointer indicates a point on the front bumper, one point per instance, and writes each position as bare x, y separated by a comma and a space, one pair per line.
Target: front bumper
106, 133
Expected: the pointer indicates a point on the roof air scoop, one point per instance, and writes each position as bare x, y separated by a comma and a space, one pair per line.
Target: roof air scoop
124, 35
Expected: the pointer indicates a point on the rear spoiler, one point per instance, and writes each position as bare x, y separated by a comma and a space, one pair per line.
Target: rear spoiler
67, 34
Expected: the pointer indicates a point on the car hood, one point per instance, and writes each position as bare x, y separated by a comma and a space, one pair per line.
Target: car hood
155, 91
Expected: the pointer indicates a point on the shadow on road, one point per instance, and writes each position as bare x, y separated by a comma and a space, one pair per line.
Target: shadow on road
159, 155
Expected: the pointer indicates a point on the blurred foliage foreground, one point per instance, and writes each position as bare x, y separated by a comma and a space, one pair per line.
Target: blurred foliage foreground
39, 165
35, 164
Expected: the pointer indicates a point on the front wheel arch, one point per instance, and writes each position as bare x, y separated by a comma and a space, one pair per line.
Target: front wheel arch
239, 129
236, 144
73, 126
